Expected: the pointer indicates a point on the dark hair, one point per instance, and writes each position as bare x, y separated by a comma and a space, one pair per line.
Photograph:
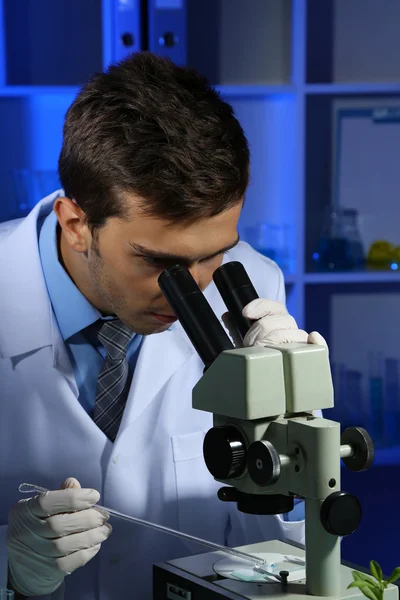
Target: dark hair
150, 127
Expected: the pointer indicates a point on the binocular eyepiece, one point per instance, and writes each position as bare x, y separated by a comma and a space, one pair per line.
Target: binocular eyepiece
196, 315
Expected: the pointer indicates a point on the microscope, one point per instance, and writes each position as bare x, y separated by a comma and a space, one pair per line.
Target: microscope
267, 447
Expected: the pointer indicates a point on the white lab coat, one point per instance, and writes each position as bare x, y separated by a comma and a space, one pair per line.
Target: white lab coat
155, 468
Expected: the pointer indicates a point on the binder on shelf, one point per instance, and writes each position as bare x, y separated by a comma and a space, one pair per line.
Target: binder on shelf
167, 29
123, 29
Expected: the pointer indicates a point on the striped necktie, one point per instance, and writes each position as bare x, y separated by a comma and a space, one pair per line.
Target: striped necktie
113, 383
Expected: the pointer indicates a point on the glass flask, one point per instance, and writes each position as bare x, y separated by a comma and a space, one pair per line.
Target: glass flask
340, 246
271, 241
352, 235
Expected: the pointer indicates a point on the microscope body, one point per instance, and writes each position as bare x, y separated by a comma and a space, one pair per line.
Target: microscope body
268, 394
263, 400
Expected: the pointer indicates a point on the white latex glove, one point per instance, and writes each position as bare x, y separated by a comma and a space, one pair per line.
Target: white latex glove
51, 535
273, 325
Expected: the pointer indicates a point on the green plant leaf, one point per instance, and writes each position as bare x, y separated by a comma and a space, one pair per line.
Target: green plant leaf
376, 571
357, 576
379, 593
369, 592
360, 584
354, 584
394, 576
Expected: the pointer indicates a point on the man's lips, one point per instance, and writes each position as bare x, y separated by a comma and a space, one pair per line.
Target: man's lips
164, 318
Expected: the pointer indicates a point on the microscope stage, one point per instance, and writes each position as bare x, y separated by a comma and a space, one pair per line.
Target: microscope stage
195, 578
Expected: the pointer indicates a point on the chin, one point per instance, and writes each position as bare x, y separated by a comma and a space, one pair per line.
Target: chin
142, 329
159, 328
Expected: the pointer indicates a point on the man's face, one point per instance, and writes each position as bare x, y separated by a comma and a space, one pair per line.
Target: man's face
126, 257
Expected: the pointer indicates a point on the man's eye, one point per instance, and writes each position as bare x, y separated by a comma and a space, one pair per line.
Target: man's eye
215, 257
155, 262
162, 263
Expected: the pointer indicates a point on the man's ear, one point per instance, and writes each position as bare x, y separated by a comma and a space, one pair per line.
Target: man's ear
73, 223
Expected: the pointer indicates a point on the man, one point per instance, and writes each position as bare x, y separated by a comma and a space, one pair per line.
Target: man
95, 375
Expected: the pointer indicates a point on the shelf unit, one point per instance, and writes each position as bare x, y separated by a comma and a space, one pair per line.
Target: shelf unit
353, 88
27, 91
280, 63
289, 126
376, 277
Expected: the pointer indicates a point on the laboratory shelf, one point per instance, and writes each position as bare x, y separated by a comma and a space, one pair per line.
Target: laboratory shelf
353, 277
13, 91
353, 88
228, 91
257, 91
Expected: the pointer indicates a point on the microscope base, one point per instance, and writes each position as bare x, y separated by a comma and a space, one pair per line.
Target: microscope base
193, 578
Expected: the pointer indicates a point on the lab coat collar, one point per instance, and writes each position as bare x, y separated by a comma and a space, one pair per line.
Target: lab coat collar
25, 307
73, 312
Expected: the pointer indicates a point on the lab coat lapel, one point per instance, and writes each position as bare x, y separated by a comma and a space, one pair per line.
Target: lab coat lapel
161, 355
61, 360
24, 304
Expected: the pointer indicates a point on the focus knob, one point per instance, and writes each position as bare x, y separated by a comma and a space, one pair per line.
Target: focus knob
363, 448
263, 463
341, 513
224, 452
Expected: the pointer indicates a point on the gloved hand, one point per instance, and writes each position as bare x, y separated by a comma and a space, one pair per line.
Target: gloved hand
51, 535
273, 325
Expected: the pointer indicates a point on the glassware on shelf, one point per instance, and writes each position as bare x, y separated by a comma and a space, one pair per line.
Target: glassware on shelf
339, 411
340, 247
354, 383
392, 403
31, 185
352, 235
376, 397
383, 255
369, 398
271, 241
395, 264
349, 407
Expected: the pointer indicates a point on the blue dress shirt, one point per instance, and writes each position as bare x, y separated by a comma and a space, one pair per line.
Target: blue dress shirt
74, 315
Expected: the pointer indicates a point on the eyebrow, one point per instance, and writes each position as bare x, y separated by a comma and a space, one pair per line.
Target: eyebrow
167, 257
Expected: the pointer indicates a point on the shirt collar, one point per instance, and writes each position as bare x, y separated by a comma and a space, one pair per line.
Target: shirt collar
73, 312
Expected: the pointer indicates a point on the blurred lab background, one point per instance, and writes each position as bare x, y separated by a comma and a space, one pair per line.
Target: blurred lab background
316, 85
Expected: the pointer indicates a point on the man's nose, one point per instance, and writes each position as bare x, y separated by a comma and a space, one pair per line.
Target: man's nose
194, 270
201, 274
